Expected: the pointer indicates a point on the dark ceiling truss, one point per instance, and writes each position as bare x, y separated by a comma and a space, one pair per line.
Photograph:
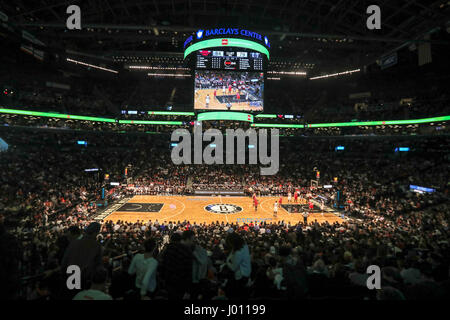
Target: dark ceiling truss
154, 7
304, 29
339, 15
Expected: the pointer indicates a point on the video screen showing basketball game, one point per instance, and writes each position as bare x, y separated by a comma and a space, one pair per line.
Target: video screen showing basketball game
229, 90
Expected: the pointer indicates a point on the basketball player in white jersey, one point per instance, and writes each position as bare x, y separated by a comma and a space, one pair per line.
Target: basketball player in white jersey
224, 90
275, 209
289, 197
207, 101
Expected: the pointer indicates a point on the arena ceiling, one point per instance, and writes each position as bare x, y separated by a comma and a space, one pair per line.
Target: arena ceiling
322, 33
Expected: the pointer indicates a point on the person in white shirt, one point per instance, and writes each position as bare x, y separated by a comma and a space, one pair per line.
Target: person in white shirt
275, 209
289, 196
97, 289
207, 101
144, 265
238, 261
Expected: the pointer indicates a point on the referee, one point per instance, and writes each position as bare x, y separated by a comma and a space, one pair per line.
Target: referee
305, 217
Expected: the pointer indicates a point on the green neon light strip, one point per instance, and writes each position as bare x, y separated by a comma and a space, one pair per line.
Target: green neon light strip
238, 116
169, 123
266, 115
226, 116
232, 42
171, 113
276, 125
353, 124
54, 115
379, 123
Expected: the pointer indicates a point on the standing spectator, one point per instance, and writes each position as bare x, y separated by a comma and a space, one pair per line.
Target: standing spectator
144, 265
239, 263
177, 261
292, 277
86, 253
199, 268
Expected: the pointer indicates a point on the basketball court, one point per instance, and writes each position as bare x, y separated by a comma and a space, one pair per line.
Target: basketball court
215, 104
201, 209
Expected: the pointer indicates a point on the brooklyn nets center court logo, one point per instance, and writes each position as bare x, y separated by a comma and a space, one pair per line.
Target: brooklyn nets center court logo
223, 208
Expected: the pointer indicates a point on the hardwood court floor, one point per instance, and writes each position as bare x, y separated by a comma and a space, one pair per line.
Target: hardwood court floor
214, 104
194, 209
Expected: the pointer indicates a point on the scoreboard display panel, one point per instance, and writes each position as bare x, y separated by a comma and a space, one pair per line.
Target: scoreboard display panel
229, 90
228, 66
237, 60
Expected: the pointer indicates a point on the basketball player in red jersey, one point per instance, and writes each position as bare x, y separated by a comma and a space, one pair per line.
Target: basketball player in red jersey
238, 97
229, 89
280, 202
255, 203
215, 94
295, 196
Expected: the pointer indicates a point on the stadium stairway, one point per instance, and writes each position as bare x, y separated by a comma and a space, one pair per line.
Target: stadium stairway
189, 183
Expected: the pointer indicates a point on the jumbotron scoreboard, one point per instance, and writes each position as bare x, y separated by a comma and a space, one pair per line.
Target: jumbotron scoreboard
228, 67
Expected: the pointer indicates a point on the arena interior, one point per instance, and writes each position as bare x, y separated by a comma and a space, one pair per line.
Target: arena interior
87, 171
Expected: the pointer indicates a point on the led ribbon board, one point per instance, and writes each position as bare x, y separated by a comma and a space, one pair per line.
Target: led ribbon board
353, 124
263, 115
171, 113
167, 123
238, 116
277, 125
378, 123
227, 42
54, 115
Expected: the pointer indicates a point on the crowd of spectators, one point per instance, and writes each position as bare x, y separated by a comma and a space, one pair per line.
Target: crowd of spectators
48, 203
52, 189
